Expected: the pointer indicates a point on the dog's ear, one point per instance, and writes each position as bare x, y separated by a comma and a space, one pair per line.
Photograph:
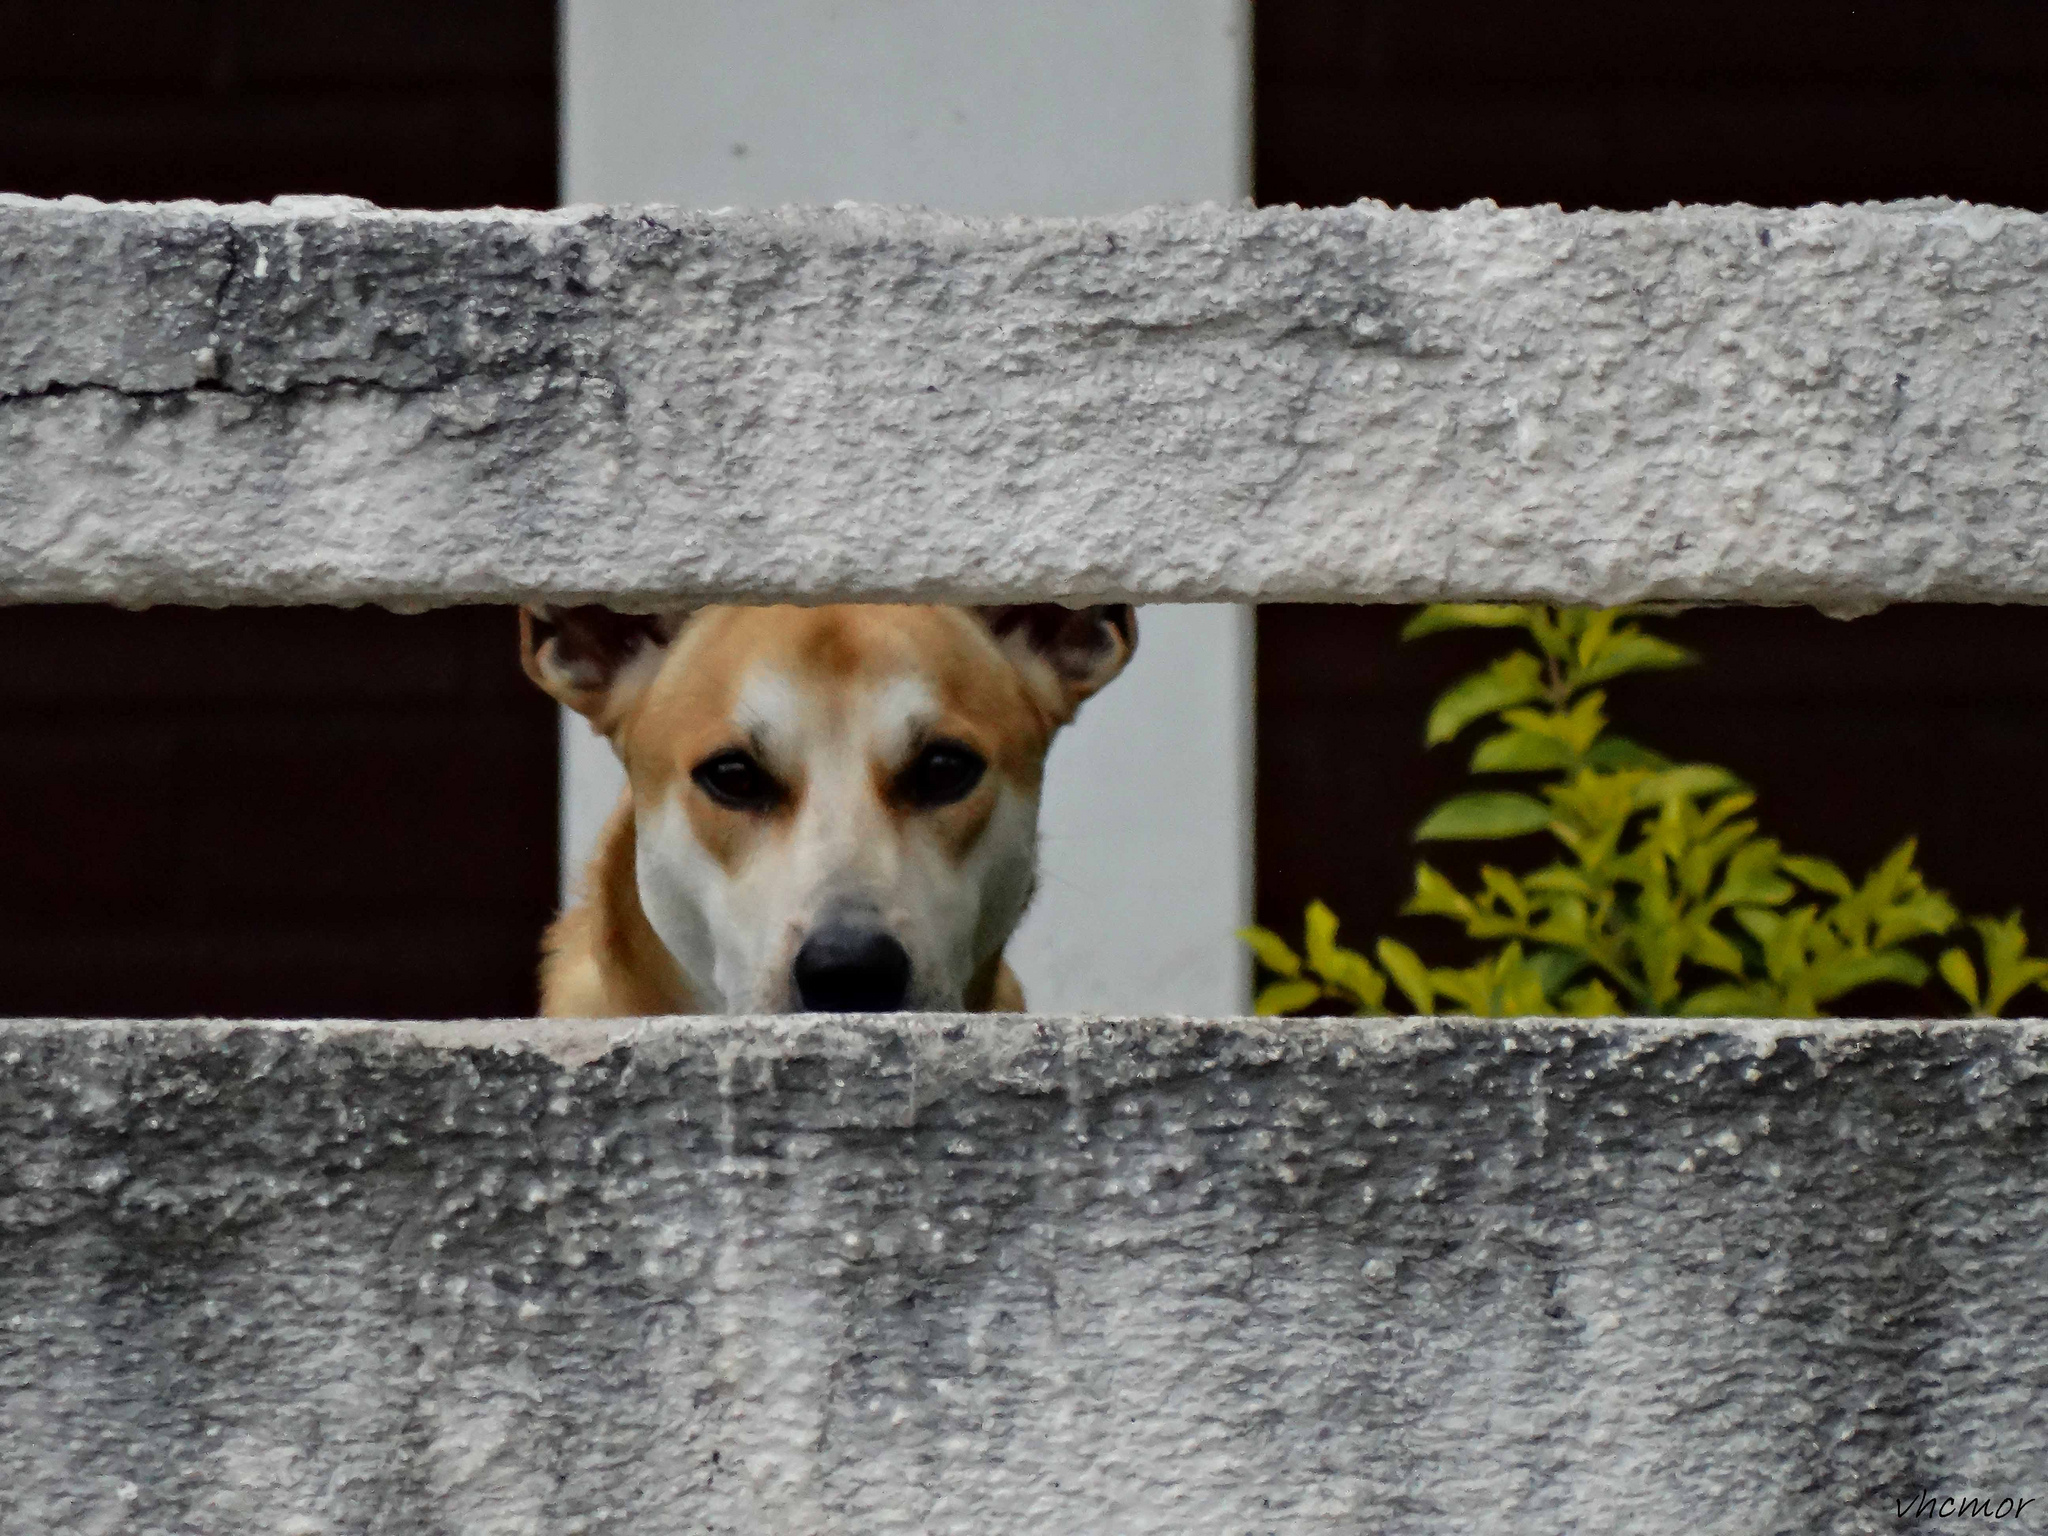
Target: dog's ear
1082, 648
592, 659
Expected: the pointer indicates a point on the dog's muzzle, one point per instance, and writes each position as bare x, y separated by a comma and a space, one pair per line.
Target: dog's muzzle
851, 968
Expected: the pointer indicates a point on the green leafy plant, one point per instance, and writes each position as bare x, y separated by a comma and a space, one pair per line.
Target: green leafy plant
2008, 968
1663, 897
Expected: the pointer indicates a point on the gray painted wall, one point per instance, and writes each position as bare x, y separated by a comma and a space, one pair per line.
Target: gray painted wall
990, 107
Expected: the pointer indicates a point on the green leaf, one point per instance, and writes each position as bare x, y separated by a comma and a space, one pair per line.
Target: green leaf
1506, 890
1596, 632
1711, 948
1493, 925
1437, 897
2008, 969
2005, 942
1520, 752
2026, 974
1688, 781
1272, 950
1578, 727
1819, 874
1438, 617
1514, 679
1555, 968
1961, 976
1465, 990
1763, 924
1831, 980
1487, 814
1555, 634
1752, 880
1891, 875
1286, 997
1634, 651
1725, 807
1581, 725
1354, 973
1517, 990
1319, 933
1755, 1001
1915, 916
1592, 1000
1785, 952
1500, 987
1618, 752
1409, 973
1567, 923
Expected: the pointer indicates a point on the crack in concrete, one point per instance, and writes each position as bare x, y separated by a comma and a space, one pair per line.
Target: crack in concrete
57, 389
233, 269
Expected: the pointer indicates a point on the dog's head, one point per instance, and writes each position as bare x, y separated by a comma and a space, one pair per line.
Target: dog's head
835, 808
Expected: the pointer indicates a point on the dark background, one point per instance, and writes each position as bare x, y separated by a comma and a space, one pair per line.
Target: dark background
1920, 720
409, 103
271, 812
1626, 104
274, 812
323, 812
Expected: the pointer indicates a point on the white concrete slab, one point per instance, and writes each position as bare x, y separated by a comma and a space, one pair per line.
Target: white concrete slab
322, 402
1015, 1277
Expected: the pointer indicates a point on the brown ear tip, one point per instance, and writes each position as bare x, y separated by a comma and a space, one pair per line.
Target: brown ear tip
537, 623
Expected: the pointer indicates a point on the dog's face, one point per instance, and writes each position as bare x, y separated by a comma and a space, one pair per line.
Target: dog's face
835, 808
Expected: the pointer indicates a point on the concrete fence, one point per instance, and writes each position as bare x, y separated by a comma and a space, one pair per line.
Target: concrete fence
930, 1274
974, 1276
320, 402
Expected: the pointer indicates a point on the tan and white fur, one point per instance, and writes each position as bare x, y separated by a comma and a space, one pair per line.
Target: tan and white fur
830, 808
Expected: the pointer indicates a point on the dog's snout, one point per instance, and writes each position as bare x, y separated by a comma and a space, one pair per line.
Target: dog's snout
843, 968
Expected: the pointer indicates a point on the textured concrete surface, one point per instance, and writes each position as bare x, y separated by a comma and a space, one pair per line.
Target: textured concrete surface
318, 401
944, 1275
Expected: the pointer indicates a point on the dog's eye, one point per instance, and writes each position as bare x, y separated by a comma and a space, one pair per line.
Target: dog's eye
736, 780
943, 772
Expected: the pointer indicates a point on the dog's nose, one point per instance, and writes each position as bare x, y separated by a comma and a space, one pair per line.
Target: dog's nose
846, 969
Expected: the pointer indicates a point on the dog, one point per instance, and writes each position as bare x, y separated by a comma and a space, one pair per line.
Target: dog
829, 809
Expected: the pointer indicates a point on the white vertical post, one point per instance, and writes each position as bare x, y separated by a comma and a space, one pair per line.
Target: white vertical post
981, 106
